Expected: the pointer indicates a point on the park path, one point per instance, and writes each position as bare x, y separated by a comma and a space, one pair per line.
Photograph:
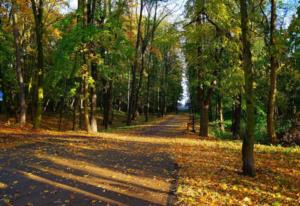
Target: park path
79, 170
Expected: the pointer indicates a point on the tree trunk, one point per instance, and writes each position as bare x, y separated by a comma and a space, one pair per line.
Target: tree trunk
111, 116
147, 99
132, 98
91, 6
137, 92
236, 117
22, 102
248, 141
158, 102
81, 114
273, 78
220, 113
94, 126
204, 118
61, 110
164, 86
38, 18
193, 120
107, 105
75, 107
86, 105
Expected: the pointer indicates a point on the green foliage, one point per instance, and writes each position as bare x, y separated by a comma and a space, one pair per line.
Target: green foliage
215, 130
7, 73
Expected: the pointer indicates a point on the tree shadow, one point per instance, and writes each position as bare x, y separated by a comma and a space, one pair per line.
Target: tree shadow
87, 171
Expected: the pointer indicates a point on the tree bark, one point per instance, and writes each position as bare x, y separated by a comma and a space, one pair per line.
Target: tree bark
139, 86
94, 125
61, 110
38, 19
91, 7
86, 104
135, 66
147, 99
248, 141
158, 102
107, 104
220, 113
164, 85
81, 114
236, 117
272, 78
22, 101
75, 107
204, 118
148, 38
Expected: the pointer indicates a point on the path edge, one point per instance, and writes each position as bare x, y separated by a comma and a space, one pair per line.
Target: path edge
172, 197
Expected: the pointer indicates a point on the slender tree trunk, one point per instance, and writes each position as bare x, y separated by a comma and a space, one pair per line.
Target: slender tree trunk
86, 105
134, 67
204, 118
132, 94
140, 83
164, 86
236, 117
248, 141
220, 113
193, 120
75, 107
158, 102
61, 110
162, 104
107, 105
273, 77
94, 126
22, 101
111, 114
128, 92
147, 99
81, 114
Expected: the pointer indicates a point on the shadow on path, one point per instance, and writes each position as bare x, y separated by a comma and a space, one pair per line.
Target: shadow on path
90, 171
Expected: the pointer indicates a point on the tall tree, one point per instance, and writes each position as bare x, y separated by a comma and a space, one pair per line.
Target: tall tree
38, 13
135, 65
248, 140
19, 72
273, 76
91, 8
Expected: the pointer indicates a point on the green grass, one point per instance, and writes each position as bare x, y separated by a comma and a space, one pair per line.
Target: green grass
216, 132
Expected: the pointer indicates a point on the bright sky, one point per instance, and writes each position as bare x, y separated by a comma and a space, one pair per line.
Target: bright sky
176, 5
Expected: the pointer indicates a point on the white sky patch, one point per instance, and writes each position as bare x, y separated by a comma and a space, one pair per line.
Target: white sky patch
177, 7
73, 4
185, 93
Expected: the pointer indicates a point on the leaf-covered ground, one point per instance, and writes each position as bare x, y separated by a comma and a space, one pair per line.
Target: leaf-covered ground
138, 166
210, 175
